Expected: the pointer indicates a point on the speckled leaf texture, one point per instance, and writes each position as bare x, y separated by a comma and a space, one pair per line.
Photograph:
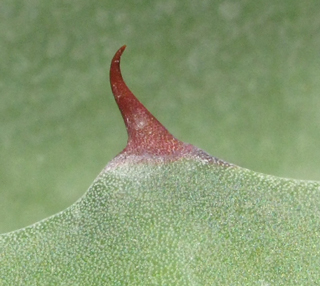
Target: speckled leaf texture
187, 222
166, 213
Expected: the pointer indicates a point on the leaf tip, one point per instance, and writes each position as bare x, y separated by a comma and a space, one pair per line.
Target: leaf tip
146, 135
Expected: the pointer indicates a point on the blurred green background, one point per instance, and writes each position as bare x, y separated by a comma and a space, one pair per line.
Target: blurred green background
240, 79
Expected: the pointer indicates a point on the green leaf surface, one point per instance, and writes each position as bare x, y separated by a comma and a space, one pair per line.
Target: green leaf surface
188, 222
164, 212
242, 76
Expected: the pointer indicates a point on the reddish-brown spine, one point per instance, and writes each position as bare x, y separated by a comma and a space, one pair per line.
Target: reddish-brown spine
146, 135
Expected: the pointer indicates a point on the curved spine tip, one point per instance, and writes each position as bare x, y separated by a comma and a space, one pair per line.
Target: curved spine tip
146, 135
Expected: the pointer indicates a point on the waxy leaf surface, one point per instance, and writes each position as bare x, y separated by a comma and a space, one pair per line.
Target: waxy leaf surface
166, 213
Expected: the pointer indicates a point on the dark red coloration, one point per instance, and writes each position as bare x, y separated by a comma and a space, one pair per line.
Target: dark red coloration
146, 135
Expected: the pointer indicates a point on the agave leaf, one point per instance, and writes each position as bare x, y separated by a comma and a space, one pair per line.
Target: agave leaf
166, 212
